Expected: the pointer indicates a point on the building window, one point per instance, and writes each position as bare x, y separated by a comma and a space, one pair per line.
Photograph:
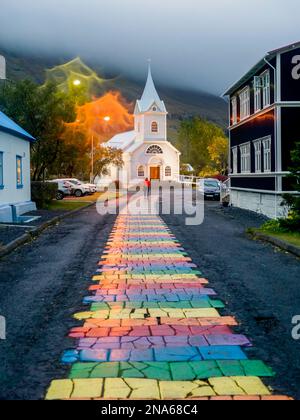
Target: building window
257, 148
168, 171
154, 127
267, 154
245, 150
154, 150
19, 169
1, 171
257, 94
141, 172
235, 160
245, 103
265, 78
234, 110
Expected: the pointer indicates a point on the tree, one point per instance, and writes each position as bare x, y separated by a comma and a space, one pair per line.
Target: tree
105, 156
43, 112
195, 137
293, 201
218, 151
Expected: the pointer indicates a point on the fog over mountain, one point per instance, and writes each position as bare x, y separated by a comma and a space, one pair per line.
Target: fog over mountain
197, 44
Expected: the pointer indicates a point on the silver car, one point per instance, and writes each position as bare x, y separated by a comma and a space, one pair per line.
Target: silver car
64, 189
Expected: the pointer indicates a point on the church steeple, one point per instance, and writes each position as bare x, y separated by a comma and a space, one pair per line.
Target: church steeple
150, 96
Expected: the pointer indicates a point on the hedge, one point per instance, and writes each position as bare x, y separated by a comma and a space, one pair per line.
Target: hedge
42, 193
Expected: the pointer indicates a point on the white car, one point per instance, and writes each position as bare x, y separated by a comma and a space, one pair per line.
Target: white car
92, 187
79, 189
64, 189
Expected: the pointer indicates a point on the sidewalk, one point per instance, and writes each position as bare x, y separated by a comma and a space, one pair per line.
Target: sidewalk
154, 329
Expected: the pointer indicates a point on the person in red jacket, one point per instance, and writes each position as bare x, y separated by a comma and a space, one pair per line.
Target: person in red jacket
147, 187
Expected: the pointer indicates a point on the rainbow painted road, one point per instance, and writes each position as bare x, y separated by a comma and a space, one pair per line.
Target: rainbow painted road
153, 330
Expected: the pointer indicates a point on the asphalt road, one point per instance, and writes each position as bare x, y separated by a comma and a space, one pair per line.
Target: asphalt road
43, 283
259, 283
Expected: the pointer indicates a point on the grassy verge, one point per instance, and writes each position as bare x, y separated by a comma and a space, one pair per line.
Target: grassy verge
73, 203
66, 205
292, 238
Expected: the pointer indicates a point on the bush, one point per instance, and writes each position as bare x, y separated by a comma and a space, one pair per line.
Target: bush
292, 222
272, 226
42, 193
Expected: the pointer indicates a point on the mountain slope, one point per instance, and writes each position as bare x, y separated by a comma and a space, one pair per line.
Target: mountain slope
180, 103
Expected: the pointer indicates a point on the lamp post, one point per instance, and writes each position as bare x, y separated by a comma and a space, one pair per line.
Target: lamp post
76, 82
107, 120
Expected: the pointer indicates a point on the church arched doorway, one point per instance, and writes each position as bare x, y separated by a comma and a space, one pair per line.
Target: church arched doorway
155, 173
155, 169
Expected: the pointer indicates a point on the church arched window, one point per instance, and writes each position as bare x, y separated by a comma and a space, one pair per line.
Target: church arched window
141, 172
168, 171
154, 150
154, 127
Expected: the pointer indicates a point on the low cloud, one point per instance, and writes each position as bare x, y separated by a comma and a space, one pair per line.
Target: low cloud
203, 45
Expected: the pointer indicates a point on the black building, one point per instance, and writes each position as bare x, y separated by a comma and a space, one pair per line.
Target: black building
264, 127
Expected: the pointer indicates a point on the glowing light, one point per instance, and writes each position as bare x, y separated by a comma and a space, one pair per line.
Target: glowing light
76, 73
93, 117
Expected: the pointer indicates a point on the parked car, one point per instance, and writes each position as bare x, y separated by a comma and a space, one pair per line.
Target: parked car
64, 189
212, 189
77, 187
92, 187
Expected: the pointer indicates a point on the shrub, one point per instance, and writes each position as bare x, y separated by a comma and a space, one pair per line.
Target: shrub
292, 223
43, 193
272, 226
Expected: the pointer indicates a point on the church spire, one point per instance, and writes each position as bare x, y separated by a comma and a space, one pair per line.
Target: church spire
150, 95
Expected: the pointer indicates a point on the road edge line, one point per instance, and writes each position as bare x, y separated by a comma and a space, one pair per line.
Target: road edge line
280, 243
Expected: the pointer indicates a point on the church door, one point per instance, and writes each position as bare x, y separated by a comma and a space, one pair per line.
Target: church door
155, 173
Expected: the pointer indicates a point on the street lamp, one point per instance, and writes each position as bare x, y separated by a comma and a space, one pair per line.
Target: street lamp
106, 119
77, 82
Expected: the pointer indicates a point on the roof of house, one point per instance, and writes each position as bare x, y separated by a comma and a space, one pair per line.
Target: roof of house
122, 141
6, 124
269, 56
150, 96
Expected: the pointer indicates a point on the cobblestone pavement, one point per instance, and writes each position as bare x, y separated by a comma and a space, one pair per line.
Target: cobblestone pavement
154, 329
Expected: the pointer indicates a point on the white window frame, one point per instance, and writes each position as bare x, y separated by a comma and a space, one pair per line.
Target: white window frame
235, 160
267, 146
234, 110
154, 149
168, 171
257, 98
245, 152
156, 131
266, 90
258, 156
139, 171
244, 96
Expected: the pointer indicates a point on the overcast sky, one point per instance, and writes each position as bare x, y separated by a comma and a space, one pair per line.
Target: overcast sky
202, 44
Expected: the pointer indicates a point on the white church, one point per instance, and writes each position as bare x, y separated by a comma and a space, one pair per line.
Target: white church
146, 151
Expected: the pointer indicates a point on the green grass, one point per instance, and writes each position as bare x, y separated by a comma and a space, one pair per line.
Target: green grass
290, 237
66, 205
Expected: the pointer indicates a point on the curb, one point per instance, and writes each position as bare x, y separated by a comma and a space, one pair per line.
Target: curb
275, 241
34, 233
